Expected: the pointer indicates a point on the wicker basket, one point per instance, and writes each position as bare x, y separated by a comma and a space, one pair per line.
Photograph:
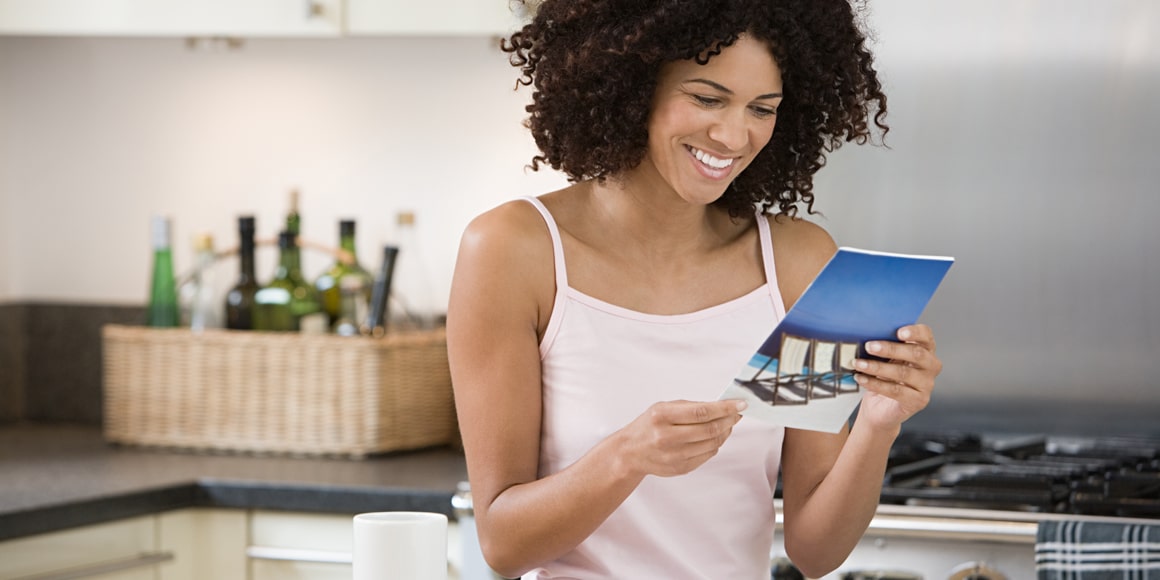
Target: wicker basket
276, 392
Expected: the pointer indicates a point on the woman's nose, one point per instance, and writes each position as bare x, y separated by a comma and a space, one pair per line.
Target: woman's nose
731, 131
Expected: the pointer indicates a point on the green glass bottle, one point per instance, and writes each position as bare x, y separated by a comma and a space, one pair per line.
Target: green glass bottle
240, 298
288, 302
345, 289
162, 310
293, 219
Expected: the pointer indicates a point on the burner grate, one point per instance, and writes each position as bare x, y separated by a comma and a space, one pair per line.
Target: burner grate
1117, 477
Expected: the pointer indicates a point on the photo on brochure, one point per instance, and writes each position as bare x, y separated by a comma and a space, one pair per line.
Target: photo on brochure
802, 376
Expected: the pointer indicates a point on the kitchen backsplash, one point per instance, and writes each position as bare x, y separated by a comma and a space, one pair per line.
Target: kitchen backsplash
50, 359
12, 362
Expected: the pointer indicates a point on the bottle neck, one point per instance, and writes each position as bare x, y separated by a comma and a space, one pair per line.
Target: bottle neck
246, 255
289, 264
347, 244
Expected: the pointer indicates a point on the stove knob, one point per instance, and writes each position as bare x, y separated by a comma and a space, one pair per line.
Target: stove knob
976, 571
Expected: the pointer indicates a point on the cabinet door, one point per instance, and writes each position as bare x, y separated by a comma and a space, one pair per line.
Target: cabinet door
299, 546
122, 542
206, 543
171, 17
445, 17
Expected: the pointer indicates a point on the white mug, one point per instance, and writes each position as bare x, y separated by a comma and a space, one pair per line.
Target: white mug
400, 546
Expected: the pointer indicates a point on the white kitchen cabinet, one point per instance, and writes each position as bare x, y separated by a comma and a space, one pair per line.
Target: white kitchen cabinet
125, 549
288, 18
301, 546
205, 542
443, 17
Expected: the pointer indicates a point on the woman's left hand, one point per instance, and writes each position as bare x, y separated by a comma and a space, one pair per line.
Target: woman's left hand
900, 386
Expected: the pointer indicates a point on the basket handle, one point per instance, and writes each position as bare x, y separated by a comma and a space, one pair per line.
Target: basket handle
336, 253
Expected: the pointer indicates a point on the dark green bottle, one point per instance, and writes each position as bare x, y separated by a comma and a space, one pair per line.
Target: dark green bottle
345, 289
162, 310
288, 302
240, 298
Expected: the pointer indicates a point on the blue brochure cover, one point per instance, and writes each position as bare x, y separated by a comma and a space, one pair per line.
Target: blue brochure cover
802, 376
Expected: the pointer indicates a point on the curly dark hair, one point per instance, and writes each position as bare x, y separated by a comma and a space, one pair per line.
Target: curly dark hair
594, 64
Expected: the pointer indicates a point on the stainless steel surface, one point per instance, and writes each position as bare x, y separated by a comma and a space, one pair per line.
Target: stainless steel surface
934, 542
1022, 142
472, 564
94, 570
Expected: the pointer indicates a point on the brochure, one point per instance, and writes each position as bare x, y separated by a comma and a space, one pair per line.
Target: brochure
802, 376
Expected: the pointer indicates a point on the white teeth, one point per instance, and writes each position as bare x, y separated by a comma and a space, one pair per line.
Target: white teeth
710, 160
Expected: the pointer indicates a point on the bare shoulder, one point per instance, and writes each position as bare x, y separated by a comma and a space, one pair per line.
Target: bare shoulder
505, 265
514, 226
800, 248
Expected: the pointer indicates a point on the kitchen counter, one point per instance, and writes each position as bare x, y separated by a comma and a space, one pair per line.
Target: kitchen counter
54, 477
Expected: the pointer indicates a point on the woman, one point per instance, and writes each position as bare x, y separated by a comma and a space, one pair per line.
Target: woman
591, 329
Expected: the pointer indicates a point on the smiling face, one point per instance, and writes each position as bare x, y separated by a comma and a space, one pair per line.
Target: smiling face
709, 121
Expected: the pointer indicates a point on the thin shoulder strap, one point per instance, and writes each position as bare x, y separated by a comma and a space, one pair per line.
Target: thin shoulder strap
557, 244
559, 304
768, 264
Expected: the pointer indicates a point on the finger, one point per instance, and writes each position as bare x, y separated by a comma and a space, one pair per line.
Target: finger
905, 395
905, 374
915, 354
678, 437
692, 413
686, 464
917, 334
710, 444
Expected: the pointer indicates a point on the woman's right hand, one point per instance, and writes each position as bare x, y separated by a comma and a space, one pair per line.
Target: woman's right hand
675, 437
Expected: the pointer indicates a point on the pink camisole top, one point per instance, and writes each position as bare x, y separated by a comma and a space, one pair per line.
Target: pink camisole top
604, 365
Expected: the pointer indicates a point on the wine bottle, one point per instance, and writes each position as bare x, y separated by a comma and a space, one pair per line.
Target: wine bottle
240, 298
288, 303
345, 289
203, 312
162, 310
414, 301
293, 219
376, 324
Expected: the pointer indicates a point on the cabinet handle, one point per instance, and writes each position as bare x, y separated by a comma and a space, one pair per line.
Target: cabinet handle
145, 559
298, 555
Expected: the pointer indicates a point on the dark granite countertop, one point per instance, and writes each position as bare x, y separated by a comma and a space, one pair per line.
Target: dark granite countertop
54, 477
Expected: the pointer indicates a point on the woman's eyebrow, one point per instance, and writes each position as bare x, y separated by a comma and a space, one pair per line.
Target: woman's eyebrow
726, 90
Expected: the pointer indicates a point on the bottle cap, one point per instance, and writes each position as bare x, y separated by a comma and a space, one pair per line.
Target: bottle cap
346, 228
246, 223
160, 228
203, 243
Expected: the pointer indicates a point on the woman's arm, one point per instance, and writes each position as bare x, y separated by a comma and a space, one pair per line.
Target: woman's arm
831, 483
501, 298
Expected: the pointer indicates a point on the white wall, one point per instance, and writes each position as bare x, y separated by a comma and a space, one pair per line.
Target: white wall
100, 133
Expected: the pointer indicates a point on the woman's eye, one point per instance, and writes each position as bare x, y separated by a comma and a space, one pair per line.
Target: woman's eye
764, 112
706, 101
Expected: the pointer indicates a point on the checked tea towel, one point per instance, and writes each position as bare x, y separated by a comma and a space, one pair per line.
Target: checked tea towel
1084, 550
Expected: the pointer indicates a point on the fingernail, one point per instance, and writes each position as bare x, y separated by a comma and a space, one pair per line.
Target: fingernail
861, 379
904, 333
873, 346
861, 364
741, 406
